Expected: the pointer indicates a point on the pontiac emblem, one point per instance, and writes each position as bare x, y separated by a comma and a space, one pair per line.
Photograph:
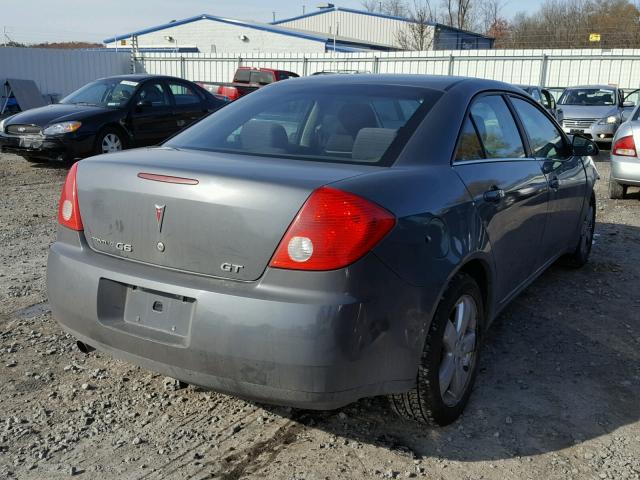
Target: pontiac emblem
22, 129
160, 216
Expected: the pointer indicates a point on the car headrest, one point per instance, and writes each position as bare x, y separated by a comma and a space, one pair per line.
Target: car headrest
263, 135
371, 143
355, 116
339, 143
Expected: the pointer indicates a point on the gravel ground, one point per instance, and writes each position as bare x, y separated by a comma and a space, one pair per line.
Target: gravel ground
556, 397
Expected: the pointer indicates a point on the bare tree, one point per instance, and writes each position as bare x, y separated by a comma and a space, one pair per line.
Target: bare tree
397, 8
490, 14
418, 34
457, 13
371, 5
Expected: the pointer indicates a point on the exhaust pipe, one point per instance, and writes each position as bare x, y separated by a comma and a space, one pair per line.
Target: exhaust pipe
84, 348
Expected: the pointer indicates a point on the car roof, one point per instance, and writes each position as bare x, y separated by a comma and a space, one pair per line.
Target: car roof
139, 77
434, 82
603, 87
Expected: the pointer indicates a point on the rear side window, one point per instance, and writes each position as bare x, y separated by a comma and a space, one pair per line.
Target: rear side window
183, 94
337, 123
545, 139
497, 128
469, 146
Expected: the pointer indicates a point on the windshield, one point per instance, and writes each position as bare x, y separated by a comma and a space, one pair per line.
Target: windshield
337, 123
597, 97
112, 93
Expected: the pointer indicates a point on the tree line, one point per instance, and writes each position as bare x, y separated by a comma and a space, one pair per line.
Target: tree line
556, 24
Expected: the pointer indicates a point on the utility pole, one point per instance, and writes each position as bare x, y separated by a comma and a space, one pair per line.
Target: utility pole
274, 16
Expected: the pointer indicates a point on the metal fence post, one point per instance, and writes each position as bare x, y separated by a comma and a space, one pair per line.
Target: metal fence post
543, 70
239, 62
134, 52
376, 64
450, 65
305, 66
182, 67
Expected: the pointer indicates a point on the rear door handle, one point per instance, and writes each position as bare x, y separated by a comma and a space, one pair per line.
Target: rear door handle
554, 183
495, 195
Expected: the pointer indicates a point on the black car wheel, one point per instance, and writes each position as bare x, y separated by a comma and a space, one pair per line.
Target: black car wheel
109, 140
449, 360
580, 256
616, 190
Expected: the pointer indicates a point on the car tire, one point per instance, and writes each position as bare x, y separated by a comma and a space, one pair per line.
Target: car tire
580, 255
443, 350
616, 190
110, 140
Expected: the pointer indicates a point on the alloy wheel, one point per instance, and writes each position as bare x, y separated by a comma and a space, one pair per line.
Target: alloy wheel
459, 350
111, 143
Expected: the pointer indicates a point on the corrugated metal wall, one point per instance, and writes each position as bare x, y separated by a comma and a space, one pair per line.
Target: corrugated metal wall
60, 71
553, 68
370, 28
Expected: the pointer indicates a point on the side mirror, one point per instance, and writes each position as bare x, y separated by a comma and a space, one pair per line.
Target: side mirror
628, 105
584, 147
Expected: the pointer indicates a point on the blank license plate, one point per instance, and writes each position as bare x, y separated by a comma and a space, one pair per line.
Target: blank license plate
159, 311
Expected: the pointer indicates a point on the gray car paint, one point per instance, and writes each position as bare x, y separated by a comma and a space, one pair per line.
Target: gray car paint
322, 339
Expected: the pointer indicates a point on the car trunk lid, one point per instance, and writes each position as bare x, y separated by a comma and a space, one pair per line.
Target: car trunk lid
214, 214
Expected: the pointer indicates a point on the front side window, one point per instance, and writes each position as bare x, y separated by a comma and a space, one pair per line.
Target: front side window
345, 123
545, 139
596, 97
497, 128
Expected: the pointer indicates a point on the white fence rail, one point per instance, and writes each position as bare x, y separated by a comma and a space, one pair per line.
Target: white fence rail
60, 71
553, 68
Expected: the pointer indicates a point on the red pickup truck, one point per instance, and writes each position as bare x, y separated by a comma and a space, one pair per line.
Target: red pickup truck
246, 80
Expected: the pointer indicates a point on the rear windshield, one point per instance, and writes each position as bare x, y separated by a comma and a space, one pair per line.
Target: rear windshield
596, 97
346, 123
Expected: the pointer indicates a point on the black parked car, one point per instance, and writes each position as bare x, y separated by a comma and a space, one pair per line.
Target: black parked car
107, 115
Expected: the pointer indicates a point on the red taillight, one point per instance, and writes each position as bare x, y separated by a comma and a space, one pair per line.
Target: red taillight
625, 147
230, 92
332, 230
68, 210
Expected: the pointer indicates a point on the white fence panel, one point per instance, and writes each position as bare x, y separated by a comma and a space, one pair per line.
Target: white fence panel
554, 68
61, 71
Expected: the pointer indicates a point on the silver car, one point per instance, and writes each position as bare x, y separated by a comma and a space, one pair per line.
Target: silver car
595, 111
625, 165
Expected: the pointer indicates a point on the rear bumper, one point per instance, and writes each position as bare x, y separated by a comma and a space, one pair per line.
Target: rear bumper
625, 170
61, 148
316, 340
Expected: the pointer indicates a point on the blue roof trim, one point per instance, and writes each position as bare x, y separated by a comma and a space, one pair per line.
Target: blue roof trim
348, 10
230, 21
157, 49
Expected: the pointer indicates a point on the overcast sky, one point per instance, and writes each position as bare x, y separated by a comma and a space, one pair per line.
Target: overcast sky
32, 21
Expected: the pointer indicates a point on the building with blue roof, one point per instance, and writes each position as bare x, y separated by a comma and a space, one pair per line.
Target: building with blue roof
325, 30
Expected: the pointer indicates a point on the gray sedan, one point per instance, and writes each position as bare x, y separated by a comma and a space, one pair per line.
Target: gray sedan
625, 164
324, 239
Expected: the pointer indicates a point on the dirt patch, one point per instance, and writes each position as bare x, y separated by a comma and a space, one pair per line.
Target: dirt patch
556, 397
